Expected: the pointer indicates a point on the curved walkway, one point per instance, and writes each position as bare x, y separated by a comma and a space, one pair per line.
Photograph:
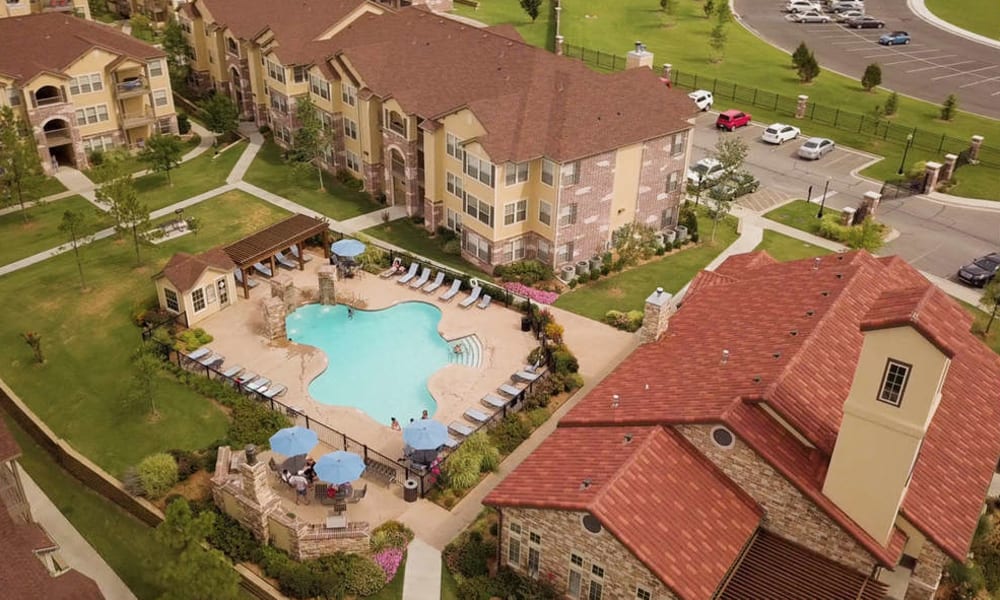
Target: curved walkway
919, 8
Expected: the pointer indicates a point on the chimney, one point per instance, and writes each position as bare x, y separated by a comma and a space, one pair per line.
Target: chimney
639, 57
655, 318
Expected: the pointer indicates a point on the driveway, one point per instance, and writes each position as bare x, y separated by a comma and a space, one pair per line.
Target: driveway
932, 237
933, 65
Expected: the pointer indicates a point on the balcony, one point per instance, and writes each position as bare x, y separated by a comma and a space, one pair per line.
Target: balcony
131, 120
58, 137
131, 87
57, 6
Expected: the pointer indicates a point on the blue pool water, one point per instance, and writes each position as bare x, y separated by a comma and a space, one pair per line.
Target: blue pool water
379, 361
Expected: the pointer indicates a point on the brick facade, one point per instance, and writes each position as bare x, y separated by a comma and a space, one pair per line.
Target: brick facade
39, 116
245, 102
394, 142
591, 195
927, 574
562, 534
659, 160
787, 512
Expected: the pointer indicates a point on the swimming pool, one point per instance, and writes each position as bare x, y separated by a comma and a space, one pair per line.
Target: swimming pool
379, 361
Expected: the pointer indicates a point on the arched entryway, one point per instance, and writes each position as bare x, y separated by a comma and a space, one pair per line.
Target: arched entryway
397, 171
236, 86
48, 94
59, 140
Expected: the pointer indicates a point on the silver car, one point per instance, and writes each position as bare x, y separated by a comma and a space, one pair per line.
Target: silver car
816, 147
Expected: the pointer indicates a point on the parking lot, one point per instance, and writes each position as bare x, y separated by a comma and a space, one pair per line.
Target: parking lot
933, 65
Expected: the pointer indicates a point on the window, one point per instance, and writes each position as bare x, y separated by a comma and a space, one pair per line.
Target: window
516, 173
515, 212
101, 142
596, 582
679, 144
534, 556
643, 594
14, 97
454, 185
352, 161
275, 71
575, 583
480, 169
544, 250
673, 181
894, 382
348, 93
278, 103
165, 126
548, 172
85, 84
667, 218
545, 212
478, 209
534, 538
223, 290
171, 297
394, 121
564, 253
198, 298
517, 249
185, 25
319, 86
210, 294
571, 173
350, 129
232, 47
514, 552
515, 528
567, 215
453, 146
300, 74
453, 220
92, 114
160, 98
476, 246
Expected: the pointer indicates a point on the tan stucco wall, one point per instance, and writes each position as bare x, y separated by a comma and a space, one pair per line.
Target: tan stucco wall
626, 185
208, 278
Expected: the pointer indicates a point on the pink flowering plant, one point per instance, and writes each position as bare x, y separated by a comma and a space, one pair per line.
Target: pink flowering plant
388, 545
389, 560
539, 296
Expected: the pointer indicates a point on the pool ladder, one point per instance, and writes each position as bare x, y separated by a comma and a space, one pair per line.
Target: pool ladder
472, 351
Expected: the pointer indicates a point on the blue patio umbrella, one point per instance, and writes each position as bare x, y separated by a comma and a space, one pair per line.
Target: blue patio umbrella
339, 467
425, 434
293, 440
347, 248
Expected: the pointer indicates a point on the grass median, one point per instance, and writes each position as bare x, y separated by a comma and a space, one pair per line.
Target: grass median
41, 231
977, 16
785, 248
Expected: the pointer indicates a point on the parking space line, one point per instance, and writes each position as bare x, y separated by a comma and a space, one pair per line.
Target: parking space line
965, 72
964, 62
995, 93
898, 62
852, 42
928, 50
978, 82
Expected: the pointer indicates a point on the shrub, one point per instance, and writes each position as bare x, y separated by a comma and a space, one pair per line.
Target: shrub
452, 247
364, 577
192, 339
183, 123
695, 237
509, 433
595, 274
480, 587
264, 129
234, 540
446, 234
157, 473
476, 455
528, 272
537, 416
391, 534
188, 463
892, 104
389, 561
573, 282
563, 361
661, 250
572, 381
605, 269
417, 220
468, 554
949, 107
252, 423
635, 319
539, 296
95, 158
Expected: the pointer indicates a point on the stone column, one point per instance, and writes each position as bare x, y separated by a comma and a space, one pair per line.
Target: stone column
327, 286
667, 68
870, 203
800, 106
656, 316
949, 167
932, 174
847, 216
284, 289
559, 45
274, 319
977, 142
260, 499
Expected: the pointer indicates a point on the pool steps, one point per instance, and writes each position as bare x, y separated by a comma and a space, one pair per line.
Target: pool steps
472, 351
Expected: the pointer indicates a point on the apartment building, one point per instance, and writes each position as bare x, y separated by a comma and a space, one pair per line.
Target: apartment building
526, 154
20, 8
82, 86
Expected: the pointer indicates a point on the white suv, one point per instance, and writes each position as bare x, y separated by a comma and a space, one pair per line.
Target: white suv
702, 99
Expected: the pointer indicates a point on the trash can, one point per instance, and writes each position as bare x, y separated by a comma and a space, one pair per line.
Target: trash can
525, 323
410, 490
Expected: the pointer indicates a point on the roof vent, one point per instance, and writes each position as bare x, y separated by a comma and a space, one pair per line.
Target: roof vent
824, 293
810, 313
628, 438
585, 484
840, 257
647, 387
776, 355
725, 356
840, 275
756, 378
614, 400
793, 332
816, 262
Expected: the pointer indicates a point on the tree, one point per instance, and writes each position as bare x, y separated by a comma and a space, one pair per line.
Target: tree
867, 235
131, 216
991, 300
723, 13
631, 240
142, 27
196, 572
221, 115
532, 7
145, 370
800, 55
731, 152
892, 104
809, 69
311, 141
163, 153
709, 8
73, 223
34, 341
178, 53
949, 107
669, 6
717, 40
872, 77
20, 168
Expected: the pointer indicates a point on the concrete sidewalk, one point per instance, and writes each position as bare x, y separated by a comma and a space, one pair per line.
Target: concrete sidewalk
422, 580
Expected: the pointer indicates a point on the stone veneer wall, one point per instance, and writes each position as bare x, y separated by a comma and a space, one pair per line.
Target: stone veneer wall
243, 68
561, 534
592, 197
927, 574
787, 512
657, 164
392, 141
37, 118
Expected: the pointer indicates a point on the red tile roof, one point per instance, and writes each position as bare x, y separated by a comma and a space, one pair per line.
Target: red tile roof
65, 38
793, 332
183, 270
688, 536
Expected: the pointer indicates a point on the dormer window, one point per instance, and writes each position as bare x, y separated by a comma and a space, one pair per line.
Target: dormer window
894, 382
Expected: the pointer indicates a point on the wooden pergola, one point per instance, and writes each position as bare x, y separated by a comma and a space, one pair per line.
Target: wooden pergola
263, 245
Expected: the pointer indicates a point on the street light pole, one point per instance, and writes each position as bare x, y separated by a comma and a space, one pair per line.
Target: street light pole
902, 163
822, 200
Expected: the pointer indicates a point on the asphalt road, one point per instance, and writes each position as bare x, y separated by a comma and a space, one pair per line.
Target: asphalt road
932, 237
935, 64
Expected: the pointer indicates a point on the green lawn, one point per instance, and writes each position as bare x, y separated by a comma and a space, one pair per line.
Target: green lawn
133, 164
50, 186
798, 214
978, 16
538, 33
784, 248
270, 172
194, 177
88, 338
41, 232
628, 290
122, 540
449, 587
613, 26
415, 239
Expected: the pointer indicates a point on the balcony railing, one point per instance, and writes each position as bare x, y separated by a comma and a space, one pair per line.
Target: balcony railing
57, 5
59, 137
132, 87
137, 119
49, 101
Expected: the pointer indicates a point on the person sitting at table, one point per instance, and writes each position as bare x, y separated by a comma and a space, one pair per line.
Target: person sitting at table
344, 490
331, 491
309, 471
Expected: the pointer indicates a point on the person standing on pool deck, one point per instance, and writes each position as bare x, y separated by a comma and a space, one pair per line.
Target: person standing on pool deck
395, 425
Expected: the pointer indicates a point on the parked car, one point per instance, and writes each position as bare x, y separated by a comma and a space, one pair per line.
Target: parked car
801, 5
893, 38
845, 5
778, 133
866, 22
847, 15
702, 99
704, 171
816, 147
732, 118
741, 184
809, 16
980, 271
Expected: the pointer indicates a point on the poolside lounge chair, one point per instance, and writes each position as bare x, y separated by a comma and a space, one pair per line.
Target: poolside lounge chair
409, 274
232, 371
212, 360
472, 297
199, 353
526, 375
451, 443
295, 252
284, 262
461, 428
422, 280
510, 390
263, 269
485, 302
431, 287
474, 414
494, 401
452, 291
275, 390
251, 282
258, 384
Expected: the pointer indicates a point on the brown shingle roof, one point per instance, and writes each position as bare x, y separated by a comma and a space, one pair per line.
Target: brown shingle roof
183, 270
9, 449
32, 44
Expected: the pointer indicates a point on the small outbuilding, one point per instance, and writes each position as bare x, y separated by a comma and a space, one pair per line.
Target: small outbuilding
198, 285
